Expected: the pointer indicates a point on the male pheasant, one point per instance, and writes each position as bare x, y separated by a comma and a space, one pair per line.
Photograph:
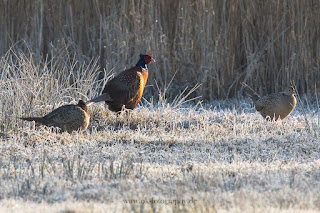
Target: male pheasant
126, 89
273, 106
68, 117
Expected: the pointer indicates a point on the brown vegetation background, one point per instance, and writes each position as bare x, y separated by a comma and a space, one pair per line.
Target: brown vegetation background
217, 43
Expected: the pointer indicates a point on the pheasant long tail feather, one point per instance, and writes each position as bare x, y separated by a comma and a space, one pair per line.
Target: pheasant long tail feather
36, 119
100, 98
250, 92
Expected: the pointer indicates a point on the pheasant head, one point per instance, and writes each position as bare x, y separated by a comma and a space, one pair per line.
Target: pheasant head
289, 91
144, 60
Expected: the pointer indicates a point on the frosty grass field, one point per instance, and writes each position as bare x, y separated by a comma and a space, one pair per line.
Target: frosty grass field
163, 156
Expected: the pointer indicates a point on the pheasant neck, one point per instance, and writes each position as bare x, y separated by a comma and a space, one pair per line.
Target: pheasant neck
142, 64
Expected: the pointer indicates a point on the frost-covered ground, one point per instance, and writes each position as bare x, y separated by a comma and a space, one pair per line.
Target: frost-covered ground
163, 156
221, 157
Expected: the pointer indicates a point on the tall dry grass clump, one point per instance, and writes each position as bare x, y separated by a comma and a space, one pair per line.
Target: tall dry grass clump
26, 84
216, 43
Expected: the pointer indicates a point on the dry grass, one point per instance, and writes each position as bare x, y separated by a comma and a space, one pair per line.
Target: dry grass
163, 156
216, 43
223, 159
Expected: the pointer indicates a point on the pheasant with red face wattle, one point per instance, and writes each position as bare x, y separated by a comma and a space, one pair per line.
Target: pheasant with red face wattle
126, 89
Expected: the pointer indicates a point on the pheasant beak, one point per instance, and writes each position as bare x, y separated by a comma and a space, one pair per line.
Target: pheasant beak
154, 60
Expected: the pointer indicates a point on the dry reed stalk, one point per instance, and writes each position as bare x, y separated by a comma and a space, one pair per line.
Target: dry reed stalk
215, 43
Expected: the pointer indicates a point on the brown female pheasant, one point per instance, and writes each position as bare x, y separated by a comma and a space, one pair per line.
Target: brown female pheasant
68, 117
126, 89
275, 105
